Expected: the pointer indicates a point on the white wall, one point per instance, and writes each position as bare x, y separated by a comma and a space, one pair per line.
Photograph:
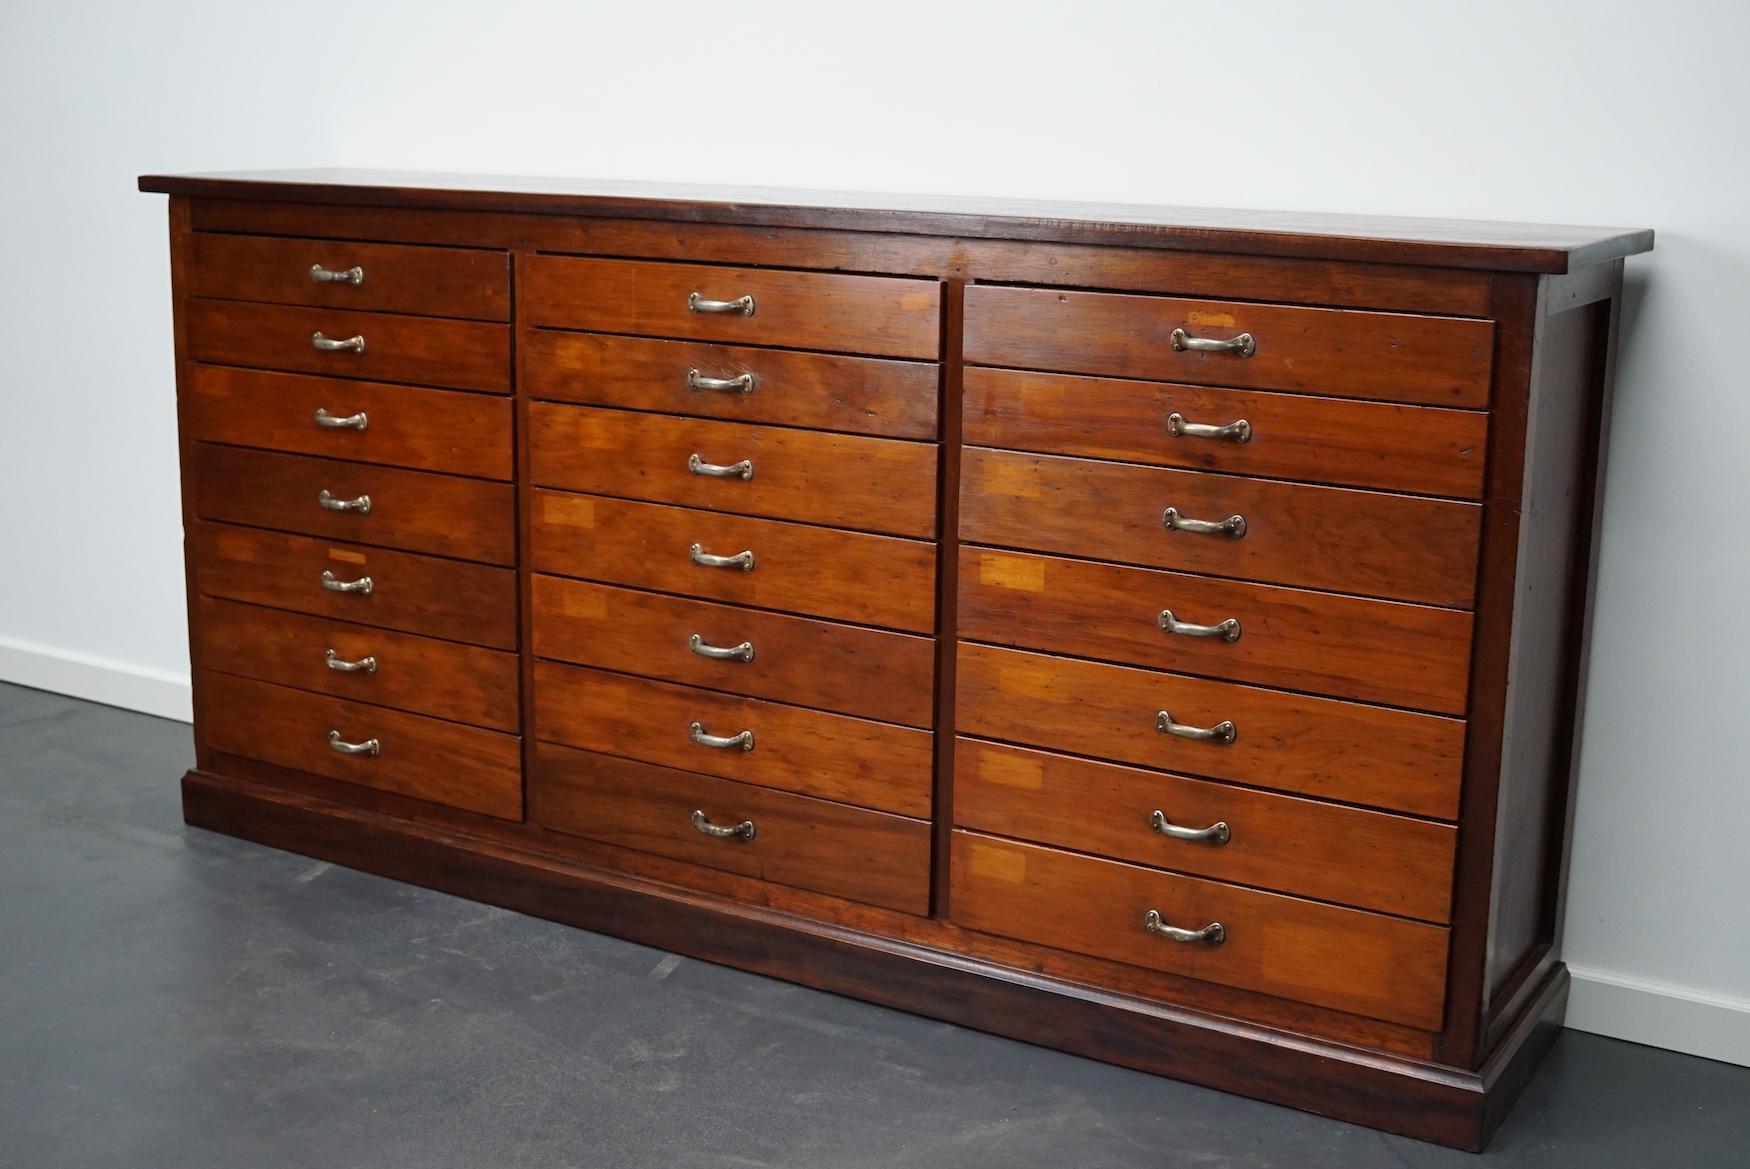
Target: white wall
1581, 112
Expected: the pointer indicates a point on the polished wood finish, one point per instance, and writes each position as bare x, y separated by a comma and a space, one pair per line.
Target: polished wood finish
824, 391
811, 844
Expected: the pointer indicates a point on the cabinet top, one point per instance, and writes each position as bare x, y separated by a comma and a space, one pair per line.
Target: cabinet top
1449, 243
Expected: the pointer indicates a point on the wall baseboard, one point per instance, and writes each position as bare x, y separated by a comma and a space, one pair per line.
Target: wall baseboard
96, 679
1658, 1014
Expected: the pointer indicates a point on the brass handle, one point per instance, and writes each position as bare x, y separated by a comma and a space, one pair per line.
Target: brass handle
362, 504
1243, 345
742, 470
1223, 732
743, 831
1154, 923
354, 344
1228, 631
353, 275
742, 739
741, 305
1237, 431
334, 585
1234, 526
365, 665
350, 422
371, 747
741, 560
741, 383
739, 653
1216, 833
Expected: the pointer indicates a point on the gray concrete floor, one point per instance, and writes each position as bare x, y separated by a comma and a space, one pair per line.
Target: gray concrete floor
172, 998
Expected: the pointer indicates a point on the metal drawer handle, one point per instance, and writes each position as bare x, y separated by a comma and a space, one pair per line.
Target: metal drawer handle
697, 733
371, 747
741, 560
1216, 833
741, 305
1223, 732
1154, 923
362, 504
354, 344
334, 585
365, 665
743, 831
1234, 525
741, 383
742, 470
353, 275
350, 422
739, 653
1244, 345
1237, 431
1228, 630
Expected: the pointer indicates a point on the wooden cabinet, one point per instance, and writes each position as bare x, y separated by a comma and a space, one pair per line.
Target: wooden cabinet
1151, 634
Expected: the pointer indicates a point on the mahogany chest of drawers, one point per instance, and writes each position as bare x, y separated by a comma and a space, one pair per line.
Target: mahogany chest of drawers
1150, 633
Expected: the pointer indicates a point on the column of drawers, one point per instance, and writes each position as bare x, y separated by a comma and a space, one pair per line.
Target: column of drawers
351, 457
733, 547
1214, 605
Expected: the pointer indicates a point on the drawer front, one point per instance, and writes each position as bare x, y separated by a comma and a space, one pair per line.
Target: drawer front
830, 756
464, 355
1366, 542
1435, 361
1345, 959
862, 395
433, 282
470, 519
817, 572
444, 679
396, 426
1279, 436
879, 315
812, 844
416, 594
1345, 647
1312, 746
847, 481
1371, 860
424, 758
822, 664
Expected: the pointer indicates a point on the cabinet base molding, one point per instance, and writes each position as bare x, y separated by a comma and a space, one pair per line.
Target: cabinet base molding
1431, 1102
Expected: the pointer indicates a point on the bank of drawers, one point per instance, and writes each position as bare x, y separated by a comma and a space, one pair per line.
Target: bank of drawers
1214, 606
354, 544
733, 540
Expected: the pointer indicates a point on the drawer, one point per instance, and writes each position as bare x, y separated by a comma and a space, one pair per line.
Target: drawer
1371, 860
825, 391
818, 572
433, 282
1278, 436
416, 594
1318, 747
847, 481
879, 315
1346, 647
464, 355
397, 426
1398, 546
471, 519
822, 664
809, 752
444, 679
424, 758
1394, 357
1345, 959
806, 843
